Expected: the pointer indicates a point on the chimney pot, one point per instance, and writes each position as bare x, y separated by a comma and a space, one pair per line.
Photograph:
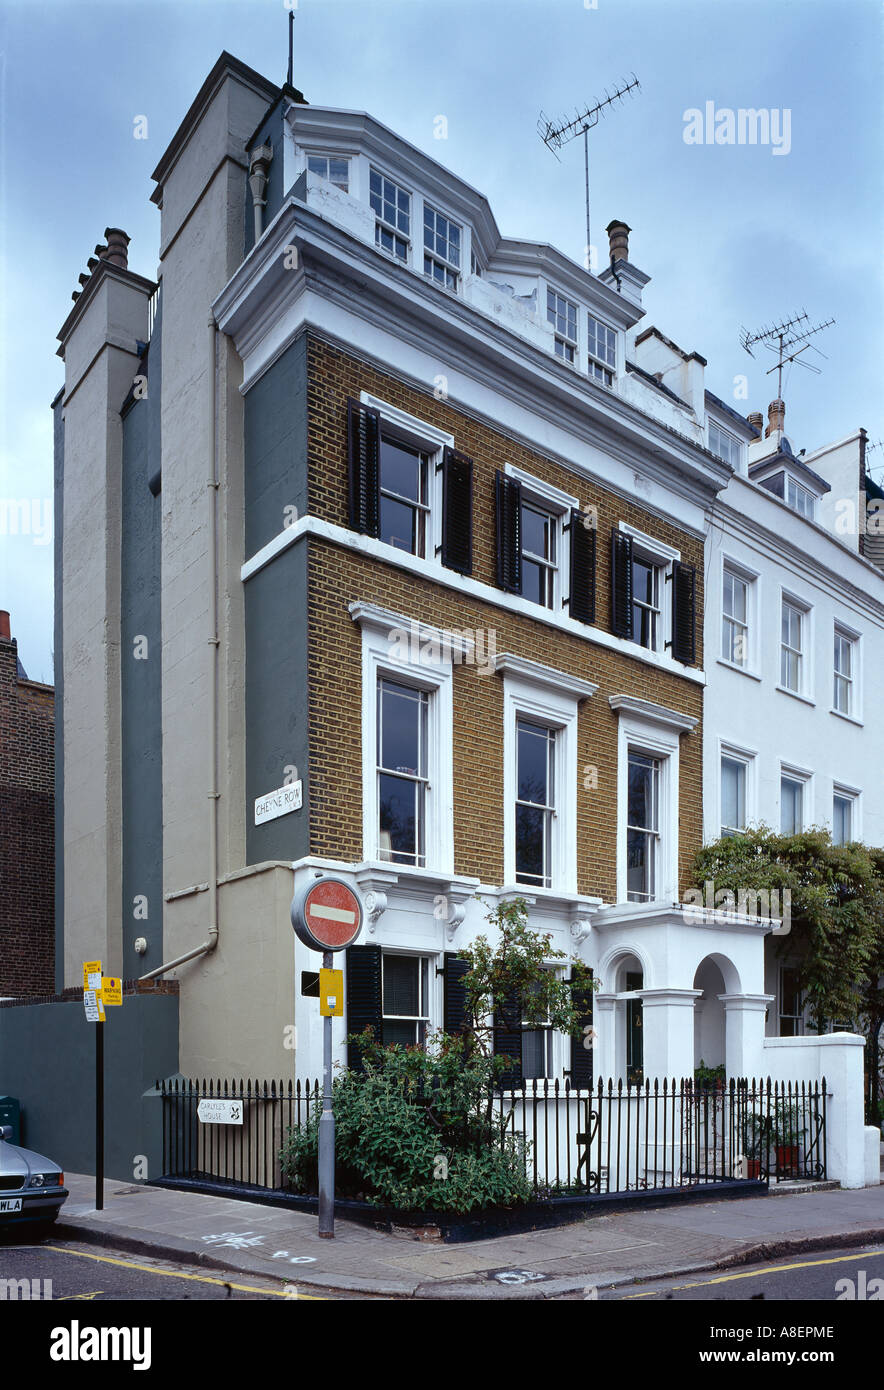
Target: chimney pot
117, 247
618, 240
776, 417
5, 632
101, 252
756, 419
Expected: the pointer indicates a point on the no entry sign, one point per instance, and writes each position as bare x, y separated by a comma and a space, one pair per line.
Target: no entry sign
327, 914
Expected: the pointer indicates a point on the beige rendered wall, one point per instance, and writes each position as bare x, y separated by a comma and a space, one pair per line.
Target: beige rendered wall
100, 362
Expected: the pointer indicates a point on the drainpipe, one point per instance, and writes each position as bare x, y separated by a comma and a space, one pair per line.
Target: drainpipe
259, 163
213, 643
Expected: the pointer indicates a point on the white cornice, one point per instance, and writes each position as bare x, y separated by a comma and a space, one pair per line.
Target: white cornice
451, 641
655, 714
823, 567
546, 677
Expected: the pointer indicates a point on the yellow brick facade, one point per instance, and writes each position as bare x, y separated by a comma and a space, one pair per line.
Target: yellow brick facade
338, 576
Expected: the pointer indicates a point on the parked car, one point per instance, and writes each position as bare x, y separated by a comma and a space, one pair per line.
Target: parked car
31, 1187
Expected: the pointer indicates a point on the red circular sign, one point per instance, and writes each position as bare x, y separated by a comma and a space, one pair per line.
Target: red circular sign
332, 914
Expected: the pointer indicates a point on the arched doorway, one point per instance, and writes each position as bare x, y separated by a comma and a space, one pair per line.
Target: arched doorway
710, 1033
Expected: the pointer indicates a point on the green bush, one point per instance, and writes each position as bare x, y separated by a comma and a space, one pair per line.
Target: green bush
416, 1130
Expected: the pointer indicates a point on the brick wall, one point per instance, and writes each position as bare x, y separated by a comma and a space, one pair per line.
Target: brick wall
337, 576
27, 930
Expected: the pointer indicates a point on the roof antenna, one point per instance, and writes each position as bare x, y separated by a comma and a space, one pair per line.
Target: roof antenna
782, 340
290, 76
555, 136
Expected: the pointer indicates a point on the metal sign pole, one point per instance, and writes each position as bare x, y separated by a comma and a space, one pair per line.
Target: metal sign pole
327, 1129
99, 1116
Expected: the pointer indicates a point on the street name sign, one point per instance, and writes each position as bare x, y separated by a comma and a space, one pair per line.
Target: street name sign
278, 803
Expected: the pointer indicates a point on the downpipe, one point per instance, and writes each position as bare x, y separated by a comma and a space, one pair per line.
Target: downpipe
211, 942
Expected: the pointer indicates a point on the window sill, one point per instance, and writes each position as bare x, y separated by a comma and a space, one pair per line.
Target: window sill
850, 718
741, 670
796, 695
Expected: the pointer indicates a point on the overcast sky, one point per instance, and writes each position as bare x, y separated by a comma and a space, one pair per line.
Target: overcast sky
731, 234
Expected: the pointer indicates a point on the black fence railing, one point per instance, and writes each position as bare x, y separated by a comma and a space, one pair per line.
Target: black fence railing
612, 1138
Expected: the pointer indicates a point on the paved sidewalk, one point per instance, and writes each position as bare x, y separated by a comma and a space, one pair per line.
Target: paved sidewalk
598, 1252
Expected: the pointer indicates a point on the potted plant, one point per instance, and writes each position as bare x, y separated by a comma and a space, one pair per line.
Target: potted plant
755, 1138
787, 1129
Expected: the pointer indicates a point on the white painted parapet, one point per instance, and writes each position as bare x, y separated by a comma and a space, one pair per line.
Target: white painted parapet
839, 1058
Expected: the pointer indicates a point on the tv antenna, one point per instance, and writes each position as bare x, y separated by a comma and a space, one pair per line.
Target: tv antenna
556, 134
787, 340
290, 72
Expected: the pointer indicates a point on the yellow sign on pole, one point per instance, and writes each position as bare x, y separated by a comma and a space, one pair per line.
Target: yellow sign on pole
111, 990
331, 993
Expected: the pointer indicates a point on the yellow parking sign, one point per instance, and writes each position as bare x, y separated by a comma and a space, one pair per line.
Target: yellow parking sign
111, 990
331, 993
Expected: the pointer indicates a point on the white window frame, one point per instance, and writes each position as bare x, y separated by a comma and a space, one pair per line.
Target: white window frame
380, 221
559, 504
808, 498
550, 698
567, 342
801, 1017
380, 646
418, 434
455, 270
663, 556
608, 369
328, 155
735, 444
748, 760
655, 730
431, 959
804, 778
752, 581
557, 1044
854, 797
849, 634
806, 663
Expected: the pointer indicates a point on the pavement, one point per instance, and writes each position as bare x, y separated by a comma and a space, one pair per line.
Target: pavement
601, 1251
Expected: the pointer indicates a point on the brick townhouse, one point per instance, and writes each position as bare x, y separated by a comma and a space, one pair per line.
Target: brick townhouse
27, 798
406, 517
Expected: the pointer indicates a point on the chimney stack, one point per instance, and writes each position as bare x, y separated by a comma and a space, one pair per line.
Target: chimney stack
618, 240
756, 420
776, 417
5, 633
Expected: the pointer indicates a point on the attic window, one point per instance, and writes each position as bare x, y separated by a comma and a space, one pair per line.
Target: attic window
333, 167
723, 445
801, 499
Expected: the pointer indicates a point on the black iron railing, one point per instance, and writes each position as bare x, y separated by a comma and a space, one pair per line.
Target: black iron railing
613, 1138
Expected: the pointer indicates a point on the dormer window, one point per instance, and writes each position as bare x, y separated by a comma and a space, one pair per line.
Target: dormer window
602, 343
392, 208
800, 499
723, 445
562, 314
442, 243
333, 167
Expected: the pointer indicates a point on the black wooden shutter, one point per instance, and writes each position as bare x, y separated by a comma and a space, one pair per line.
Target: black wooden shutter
364, 449
508, 1037
363, 997
581, 1055
454, 1008
581, 603
684, 613
457, 511
621, 584
508, 500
